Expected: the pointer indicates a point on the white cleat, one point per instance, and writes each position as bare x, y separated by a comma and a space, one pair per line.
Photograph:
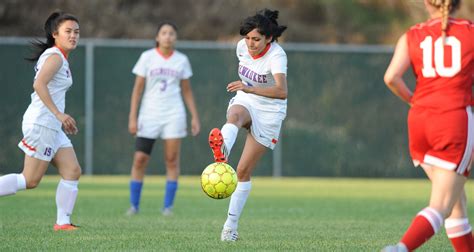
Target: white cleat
167, 211
395, 248
229, 235
131, 211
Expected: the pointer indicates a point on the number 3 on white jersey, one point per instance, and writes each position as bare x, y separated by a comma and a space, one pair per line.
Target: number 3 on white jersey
427, 45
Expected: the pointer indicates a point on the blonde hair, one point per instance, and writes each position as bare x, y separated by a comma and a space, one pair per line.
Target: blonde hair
445, 6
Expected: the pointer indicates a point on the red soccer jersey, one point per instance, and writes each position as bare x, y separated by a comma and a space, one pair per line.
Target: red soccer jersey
444, 73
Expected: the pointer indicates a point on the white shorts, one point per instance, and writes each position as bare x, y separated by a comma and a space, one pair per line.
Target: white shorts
152, 128
41, 142
265, 126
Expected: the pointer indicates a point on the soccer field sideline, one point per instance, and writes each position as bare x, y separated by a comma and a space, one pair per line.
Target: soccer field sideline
319, 214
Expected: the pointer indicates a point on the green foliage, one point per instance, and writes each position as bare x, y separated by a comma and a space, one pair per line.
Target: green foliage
281, 214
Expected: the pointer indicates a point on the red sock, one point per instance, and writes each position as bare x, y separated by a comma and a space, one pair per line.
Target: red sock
462, 243
459, 232
421, 228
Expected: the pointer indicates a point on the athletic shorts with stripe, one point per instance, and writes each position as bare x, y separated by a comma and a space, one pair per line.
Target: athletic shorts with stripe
266, 125
41, 142
441, 139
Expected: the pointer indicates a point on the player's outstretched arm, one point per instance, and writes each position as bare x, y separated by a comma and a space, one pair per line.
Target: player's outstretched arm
189, 100
135, 99
394, 75
51, 66
279, 91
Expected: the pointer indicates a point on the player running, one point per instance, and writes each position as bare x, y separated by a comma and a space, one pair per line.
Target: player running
440, 124
162, 75
259, 106
44, 141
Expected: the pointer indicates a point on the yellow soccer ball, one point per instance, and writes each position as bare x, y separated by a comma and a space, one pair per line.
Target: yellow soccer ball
218, 180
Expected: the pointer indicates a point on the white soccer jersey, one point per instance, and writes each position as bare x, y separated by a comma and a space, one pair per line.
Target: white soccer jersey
259, 72
162, 95
37, 112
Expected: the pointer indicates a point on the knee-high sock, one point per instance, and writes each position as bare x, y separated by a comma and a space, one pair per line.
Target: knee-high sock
12, 183
66, 195
135, 193
460, 233
170, 192
237, 203
229, 133
424, 226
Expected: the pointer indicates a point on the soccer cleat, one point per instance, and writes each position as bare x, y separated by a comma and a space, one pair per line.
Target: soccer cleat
65, 227
216, 142
229, 235
395, 248
167, 211
132, 211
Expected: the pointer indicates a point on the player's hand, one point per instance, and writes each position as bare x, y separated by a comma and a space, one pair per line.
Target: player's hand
69, 124
236, 86
132, 126
195, 126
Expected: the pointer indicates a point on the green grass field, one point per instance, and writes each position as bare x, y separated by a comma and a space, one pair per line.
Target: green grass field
289, 214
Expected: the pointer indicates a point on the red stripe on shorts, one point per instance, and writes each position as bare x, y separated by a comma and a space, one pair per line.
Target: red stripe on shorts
28, 146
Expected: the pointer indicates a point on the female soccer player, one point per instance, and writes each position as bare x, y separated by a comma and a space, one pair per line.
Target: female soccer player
259, 106
440, 127
44, 141
163, 74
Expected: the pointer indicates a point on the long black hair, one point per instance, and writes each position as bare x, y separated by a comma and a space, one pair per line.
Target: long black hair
175, 27
50, 26
265, 21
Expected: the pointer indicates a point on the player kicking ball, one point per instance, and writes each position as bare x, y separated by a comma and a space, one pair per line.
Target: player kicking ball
258, 106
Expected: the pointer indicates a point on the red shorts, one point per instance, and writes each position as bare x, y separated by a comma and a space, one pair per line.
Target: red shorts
443, 140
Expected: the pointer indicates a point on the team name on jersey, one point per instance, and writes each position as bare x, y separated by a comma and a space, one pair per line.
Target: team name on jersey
246, 72
164, 72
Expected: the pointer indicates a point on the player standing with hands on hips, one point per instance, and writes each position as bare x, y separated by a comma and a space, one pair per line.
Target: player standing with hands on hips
440, 123
44, 141
162, 75
259, 106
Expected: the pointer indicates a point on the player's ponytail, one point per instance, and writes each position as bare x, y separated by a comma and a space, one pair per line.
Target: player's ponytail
265, 21
50, 27
446, 7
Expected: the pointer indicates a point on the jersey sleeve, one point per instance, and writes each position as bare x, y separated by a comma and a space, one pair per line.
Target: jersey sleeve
140, 67
240, 48
44, 57
187, 71
278, 64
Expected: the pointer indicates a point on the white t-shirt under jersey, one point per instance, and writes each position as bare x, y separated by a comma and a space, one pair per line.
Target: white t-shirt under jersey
37, 112
259, 72
162, 95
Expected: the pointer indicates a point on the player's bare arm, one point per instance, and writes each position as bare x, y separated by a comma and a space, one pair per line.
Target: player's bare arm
398, 66
279, 91
190, 103
50, 68
135, 99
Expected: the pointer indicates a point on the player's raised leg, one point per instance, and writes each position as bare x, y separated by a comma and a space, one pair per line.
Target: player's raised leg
66, 194
221, 141
252, 153
172, 154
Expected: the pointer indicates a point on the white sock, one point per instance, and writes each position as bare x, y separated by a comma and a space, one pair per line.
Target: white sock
229, 133
12, 183
66, 195
237, 203
457, 227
